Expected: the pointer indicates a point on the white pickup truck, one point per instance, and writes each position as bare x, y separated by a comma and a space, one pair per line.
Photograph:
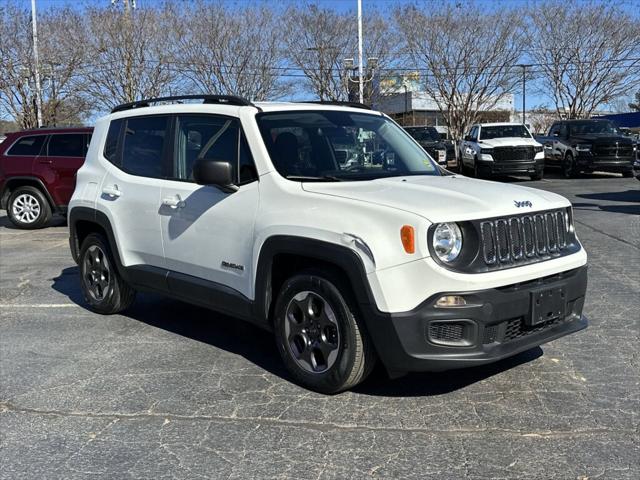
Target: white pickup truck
501, 148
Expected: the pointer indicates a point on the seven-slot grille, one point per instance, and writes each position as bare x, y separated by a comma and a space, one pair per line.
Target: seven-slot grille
509, 154
524, 237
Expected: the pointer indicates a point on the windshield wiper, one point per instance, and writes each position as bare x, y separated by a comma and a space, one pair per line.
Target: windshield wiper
303, 178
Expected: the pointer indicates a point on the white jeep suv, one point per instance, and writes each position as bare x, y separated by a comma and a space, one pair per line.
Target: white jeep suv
245, 209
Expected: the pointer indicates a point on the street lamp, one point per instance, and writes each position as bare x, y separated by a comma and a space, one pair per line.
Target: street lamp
524, 87
372, 64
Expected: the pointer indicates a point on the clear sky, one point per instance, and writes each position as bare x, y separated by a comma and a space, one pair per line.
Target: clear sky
533, 98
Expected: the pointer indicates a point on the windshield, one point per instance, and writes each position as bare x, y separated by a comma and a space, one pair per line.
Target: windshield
340, 145
589, 127
424, 134
504, 131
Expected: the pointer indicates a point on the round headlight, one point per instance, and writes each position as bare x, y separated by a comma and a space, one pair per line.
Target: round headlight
447, 241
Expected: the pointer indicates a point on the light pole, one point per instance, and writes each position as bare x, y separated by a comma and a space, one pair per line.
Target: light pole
34, 25
360, 73
524, 88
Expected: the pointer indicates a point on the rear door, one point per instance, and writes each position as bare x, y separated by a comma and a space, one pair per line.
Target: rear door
135, 165
64, 155
20, 156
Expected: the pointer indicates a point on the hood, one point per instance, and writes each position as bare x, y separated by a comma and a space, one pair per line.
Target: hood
509, 142
443, 198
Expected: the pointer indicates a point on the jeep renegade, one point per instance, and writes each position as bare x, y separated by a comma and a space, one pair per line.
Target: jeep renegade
246, 209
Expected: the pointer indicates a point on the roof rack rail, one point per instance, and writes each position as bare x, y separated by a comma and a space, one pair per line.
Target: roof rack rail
340, 103
219, 99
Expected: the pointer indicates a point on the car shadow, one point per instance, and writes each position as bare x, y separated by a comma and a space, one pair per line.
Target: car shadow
56, 221
258, 347
631, 196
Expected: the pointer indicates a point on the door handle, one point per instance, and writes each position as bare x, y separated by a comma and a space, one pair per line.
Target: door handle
173, 202
112, 191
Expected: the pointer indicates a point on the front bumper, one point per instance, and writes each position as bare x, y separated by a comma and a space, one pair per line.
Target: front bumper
520, 166
494, 327
587, 161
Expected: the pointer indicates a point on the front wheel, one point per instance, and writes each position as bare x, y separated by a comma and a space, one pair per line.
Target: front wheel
627, 173
103, 288
319, 334
537, 176
569, 167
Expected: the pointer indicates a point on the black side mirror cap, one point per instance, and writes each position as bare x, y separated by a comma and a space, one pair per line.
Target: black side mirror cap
214, 172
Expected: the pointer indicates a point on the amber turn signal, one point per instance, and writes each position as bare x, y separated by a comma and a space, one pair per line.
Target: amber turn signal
408, 237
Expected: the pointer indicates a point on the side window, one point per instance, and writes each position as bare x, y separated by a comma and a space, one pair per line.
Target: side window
66, 145
111, 144
564, 130
555, 128
28, 146
143, 145
248, 172
213, 138
474, 133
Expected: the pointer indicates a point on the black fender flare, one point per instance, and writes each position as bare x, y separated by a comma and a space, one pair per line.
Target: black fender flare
9, 181
341, 256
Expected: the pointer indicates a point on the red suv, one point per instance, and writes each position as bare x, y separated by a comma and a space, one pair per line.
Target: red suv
38, 172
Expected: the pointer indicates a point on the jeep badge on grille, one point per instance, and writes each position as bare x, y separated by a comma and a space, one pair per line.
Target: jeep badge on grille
525, 203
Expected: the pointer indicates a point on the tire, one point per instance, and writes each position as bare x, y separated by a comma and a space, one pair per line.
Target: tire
103, 288
319, 334
627, 173
537, 176
476, 169
28, 208
569, 167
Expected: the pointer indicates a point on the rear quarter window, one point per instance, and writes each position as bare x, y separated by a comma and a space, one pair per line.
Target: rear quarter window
28, 146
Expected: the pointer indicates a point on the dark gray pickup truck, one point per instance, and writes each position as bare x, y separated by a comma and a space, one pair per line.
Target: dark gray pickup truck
587, 145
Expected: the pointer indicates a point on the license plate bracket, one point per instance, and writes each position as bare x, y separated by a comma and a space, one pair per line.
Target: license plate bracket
547, 304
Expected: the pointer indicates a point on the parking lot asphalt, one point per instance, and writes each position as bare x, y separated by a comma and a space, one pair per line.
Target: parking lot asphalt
168, 390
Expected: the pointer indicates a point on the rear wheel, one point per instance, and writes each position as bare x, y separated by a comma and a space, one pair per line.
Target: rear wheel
319, 334
568, 166
28, 208
103, 288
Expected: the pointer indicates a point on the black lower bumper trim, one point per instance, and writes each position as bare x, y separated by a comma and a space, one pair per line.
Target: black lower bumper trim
496, 324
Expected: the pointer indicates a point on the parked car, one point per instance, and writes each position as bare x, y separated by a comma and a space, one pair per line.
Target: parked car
586, 145
243, 208
431, 140
501, 148
37, 172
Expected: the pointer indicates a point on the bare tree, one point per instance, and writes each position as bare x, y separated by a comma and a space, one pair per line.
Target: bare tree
541, 118
588, 54
224, 51
129, 55
61, 55
467, 60
316, 40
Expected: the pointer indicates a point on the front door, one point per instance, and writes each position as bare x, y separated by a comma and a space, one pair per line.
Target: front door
207, 233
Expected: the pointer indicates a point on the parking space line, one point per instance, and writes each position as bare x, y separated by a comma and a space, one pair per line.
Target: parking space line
38, 305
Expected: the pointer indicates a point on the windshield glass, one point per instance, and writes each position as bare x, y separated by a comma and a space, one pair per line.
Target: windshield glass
589, 127
424, 134
504, 131
340, 145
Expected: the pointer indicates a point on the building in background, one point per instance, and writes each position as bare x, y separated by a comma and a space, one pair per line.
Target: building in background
403, 100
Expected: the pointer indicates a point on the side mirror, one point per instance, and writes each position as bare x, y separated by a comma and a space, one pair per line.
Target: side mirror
214, 172
468, 138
